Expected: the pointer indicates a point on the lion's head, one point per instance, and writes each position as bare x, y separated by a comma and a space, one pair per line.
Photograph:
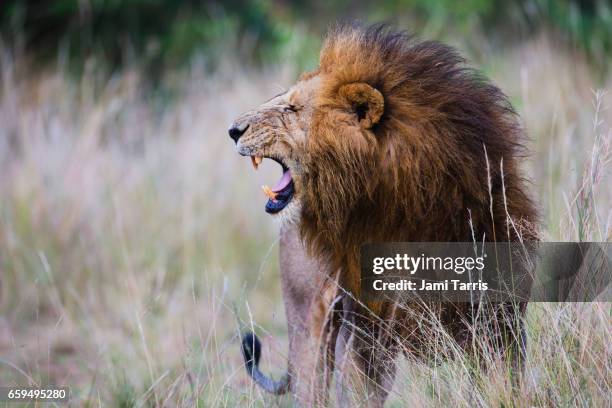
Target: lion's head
279, 130
390, 139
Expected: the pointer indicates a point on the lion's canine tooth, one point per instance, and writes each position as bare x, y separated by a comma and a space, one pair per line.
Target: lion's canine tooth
269, 193
256, 160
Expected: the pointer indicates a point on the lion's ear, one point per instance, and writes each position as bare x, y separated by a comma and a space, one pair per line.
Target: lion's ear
366, 102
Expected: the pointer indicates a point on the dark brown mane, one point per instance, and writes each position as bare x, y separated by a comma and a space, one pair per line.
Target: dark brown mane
421, 172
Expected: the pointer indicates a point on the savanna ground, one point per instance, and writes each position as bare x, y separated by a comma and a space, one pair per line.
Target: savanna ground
134, 247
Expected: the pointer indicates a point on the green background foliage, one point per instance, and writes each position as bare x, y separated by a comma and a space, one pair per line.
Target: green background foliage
163, 34
134, 246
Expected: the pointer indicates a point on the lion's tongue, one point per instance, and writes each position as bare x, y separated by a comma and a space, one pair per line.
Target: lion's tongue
272, 193
283, 182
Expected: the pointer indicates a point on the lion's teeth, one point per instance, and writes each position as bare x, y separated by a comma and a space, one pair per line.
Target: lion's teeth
269, 193
256, 160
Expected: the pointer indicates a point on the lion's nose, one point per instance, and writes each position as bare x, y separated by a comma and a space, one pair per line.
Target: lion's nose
235, 131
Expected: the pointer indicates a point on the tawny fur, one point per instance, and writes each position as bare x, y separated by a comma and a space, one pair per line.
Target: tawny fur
389, 139
434, 157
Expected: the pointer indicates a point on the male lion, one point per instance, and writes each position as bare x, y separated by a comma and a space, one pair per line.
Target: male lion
389, 139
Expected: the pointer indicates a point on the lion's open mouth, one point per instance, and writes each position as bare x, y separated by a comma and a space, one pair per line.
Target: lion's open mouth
281, 194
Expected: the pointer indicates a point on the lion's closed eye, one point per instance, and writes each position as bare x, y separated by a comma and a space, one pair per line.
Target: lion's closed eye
290, 108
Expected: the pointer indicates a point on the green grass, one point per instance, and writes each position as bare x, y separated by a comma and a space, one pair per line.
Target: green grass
133, 241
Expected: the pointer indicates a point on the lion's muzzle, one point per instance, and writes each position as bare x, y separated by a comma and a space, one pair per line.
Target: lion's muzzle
237, 130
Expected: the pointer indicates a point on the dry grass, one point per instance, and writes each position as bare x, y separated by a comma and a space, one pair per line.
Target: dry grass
132, 237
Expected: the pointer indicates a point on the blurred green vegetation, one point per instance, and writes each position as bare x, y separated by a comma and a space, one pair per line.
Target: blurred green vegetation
162, 34
157, 33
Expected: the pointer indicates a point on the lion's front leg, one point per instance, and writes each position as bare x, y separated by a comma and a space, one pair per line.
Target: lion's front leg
311, 348
309, 298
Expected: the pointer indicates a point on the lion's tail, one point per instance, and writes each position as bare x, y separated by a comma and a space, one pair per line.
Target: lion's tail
251, 351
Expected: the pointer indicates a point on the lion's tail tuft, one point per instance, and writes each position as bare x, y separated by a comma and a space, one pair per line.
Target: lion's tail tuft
251, 351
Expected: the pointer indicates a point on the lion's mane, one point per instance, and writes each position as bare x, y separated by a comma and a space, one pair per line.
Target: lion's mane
441, 164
